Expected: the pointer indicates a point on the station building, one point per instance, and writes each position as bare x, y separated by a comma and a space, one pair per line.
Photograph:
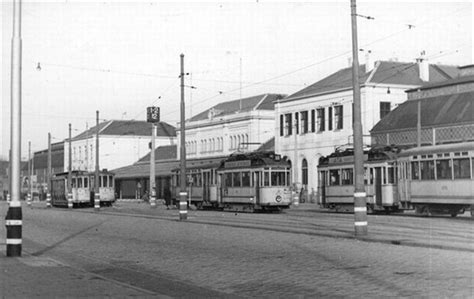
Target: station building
121, 143
434, 114
316, 120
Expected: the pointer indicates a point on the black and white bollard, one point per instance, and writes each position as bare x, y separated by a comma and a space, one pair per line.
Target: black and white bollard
360, 213
153, 199
8, 197
97, 202
48, 200
13, 225
69, 201
28, 199
183, 206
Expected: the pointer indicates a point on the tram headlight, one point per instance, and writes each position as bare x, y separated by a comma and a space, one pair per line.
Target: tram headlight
278, 198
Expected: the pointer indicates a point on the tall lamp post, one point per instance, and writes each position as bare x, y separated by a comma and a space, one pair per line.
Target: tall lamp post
360, 207
153, 117
14, 215
183, 206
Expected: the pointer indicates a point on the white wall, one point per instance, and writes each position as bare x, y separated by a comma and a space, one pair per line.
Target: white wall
312, 145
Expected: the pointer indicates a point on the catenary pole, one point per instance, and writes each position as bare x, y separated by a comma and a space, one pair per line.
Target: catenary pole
49, 175
183, 208
96, 180
152, 167
30, 170
69, 171
360, 207
14, 214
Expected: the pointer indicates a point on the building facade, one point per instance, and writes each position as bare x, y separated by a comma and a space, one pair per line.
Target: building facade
433, 114
317, 120
121, 143
238, 125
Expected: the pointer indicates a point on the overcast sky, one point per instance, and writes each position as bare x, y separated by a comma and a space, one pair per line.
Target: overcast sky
119, 57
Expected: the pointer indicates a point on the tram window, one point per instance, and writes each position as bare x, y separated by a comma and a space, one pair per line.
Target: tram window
228, 179
74, 183
334, 175
79, 182
236, 179
371, 176
86, 182
384, 176
443, 169
427, 170
105, 183
415, 172
111, 181
462, 168
266, 178
347, 176
245, 179
366, 175
278, 178
391, 175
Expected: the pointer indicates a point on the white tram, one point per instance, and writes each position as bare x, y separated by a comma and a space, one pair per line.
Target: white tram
257, 181
336, 181
82, 187
438, 179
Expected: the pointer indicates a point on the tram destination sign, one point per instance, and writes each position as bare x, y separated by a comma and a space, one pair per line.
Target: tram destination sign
345, 159
236, 164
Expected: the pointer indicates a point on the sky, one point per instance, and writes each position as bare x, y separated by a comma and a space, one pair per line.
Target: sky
120, 57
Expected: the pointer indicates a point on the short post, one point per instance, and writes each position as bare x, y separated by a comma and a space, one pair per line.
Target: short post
8, 197
13, 225
153, 198
183, 206
48, 199
97, 201
69, 201
28, 199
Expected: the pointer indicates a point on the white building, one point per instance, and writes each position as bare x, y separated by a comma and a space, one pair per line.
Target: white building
121, 143
242, 124
313, 122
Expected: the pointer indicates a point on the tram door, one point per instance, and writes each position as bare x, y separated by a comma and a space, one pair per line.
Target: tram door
206, 182
378, 186
322, 187
256, 181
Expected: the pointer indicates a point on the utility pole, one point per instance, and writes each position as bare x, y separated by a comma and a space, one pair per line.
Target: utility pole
49, 175
14, 215
96, 185
30, 164
183, 207
152, 167
295, 164
69, 169
360, 206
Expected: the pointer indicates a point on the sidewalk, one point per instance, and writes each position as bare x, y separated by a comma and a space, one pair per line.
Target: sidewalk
32, 277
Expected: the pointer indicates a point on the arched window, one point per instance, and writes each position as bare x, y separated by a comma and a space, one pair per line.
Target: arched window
304, 172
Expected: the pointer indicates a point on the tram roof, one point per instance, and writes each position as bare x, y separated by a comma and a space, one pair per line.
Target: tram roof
433, 149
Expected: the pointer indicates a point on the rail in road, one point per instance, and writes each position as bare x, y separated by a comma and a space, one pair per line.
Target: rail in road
430, 232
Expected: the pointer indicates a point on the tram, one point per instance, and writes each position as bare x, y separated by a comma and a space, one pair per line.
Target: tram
82, 188
336, 181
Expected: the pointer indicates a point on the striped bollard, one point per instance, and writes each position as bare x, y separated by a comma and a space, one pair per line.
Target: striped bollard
69, 201
296, 200
360, 213
13, 225
28, 199
97, 202
153, 199
48, 200
183, 206
8, 197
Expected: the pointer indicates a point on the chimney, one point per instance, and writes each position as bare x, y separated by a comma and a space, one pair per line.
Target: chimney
369, 63
423, 67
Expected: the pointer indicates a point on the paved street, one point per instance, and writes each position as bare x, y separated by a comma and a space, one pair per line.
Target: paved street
132, 250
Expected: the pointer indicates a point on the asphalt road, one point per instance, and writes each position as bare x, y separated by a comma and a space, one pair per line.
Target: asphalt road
299, 253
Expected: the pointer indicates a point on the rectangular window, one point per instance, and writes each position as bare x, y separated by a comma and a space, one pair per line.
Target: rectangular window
73, 182
79, 182
347, 176
330, 118
228, 179
245, 179
334, 177
313, 120
282, 125
427, 170
266, 178
415, 171
297, 123
236, 179
288, 123
338, 117
321, 119
384, 109
304, 122
462, 169
391, 175
443, 169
